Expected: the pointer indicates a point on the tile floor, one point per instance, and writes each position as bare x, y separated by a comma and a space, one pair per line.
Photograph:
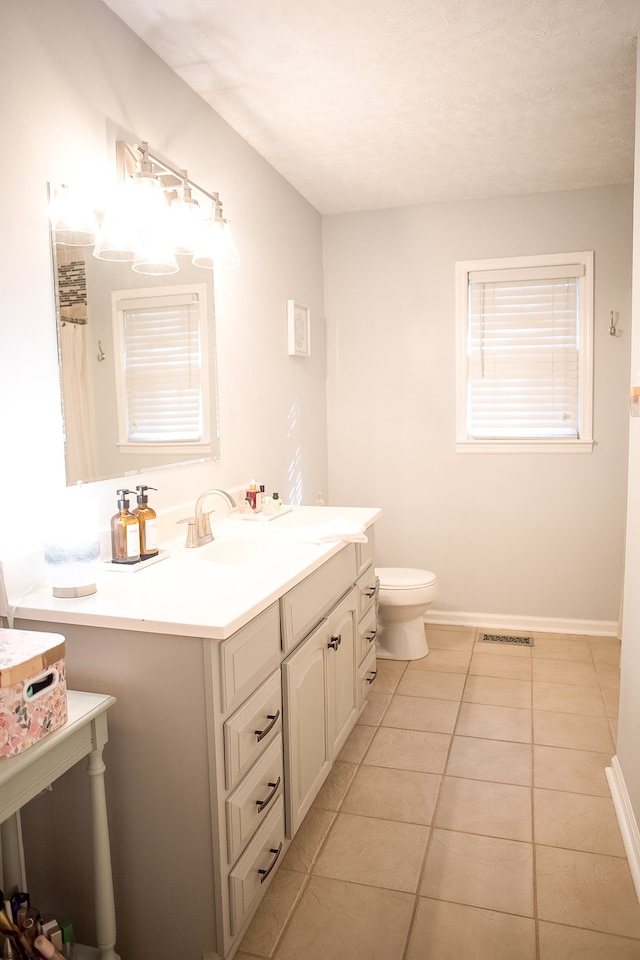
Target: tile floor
468, 816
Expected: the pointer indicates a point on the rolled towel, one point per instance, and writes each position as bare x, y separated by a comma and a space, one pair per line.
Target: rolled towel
336, 529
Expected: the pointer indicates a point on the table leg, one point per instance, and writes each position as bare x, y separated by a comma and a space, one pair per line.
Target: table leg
105, 906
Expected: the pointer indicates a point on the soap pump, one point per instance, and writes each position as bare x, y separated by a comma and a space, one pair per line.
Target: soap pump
125, 533
148, 523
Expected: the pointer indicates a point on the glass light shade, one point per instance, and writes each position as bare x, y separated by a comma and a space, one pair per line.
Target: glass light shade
217, 247
138, 211
73, 218
187, 223
72, 544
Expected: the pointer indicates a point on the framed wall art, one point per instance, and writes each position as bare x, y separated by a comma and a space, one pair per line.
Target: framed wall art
299, 329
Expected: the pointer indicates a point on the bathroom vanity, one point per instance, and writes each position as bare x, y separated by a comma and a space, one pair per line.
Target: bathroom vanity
239, 669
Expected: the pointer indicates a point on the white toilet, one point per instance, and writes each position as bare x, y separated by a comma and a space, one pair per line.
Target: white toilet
404, 596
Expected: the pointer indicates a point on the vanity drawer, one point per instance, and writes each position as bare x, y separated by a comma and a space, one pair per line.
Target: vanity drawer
367, 633
305, 605
255, 866
365, 551
249, 656
250, 803
251, 729
368, 586
367, 673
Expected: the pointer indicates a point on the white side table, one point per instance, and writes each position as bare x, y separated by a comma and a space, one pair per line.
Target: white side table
24, 776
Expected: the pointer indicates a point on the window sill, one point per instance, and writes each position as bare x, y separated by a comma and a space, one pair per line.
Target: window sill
524, 446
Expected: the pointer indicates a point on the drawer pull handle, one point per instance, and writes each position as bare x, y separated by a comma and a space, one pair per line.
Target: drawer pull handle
335, 642
374, 674
261, 804
372, 591
261, 734
265, 873
371, 636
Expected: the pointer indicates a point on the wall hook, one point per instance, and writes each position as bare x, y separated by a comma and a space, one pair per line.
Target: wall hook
102, 355
612, 324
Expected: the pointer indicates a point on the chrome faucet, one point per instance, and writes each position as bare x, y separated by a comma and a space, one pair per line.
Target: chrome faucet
202, 533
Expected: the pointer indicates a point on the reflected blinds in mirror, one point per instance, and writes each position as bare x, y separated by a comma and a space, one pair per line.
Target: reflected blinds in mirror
162, 374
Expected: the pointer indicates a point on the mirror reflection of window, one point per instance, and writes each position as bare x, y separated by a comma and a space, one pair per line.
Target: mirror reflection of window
161, 368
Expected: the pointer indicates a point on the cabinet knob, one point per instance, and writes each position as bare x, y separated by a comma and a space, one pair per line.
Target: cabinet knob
335, 642
261, 734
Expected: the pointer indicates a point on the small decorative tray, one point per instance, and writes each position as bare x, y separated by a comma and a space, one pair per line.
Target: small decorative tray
134, 567
261, 516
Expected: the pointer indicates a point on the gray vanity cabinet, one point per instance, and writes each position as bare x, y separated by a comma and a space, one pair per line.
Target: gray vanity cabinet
217, 749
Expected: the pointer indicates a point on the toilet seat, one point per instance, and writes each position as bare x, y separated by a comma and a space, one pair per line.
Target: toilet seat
404, 578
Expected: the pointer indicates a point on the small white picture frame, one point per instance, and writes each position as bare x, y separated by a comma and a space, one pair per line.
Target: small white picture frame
299, 329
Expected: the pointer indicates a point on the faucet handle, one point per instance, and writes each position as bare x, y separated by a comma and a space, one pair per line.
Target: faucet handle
191, 531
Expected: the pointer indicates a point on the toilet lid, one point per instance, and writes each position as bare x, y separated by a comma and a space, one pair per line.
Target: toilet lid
404, 578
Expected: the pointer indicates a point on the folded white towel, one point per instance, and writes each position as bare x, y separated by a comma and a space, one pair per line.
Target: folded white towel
336, 529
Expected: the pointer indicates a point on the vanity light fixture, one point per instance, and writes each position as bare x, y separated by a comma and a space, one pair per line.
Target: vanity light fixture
153, 218
216, 245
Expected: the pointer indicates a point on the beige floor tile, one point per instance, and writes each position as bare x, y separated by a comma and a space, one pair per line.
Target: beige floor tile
375, 708
497, 760
452, 931
378, 853
569, 943
479, 871
611, 697
557, 647
445, 661
356, 746
579, 771
450, 638
421, 713
347, 921
480, 806
609, 675
408, 750
500, 691
403, 795
494, 723
568, 698
333, 790
306, 844
586, 890
274, 911
565, 671
495, 665
605, 650
432, 684
555, 729
389, 673
577, 822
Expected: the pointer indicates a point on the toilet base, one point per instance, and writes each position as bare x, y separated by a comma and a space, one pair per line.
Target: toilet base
401, 640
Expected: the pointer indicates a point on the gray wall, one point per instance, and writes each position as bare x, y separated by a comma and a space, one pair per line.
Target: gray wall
530, 535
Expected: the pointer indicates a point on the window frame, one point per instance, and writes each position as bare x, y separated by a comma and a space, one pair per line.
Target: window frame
584, 442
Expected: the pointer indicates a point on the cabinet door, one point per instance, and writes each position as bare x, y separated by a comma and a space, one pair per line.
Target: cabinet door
342, 682
307, 749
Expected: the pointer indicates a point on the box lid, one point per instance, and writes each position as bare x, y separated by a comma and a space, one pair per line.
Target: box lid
26, 653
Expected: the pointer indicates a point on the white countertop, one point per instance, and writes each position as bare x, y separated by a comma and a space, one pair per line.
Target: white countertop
191, 594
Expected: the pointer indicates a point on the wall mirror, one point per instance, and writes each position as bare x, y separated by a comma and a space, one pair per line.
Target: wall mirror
101, 308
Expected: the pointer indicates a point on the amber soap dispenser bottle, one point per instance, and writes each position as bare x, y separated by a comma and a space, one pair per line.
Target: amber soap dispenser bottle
148, 524
125, 533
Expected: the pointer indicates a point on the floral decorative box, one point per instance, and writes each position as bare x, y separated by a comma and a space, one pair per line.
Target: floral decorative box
33, 688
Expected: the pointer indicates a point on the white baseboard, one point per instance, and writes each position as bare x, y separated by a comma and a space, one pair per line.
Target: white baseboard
626, 820
591, 628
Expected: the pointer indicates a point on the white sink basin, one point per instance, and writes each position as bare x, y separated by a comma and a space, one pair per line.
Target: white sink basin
249, 551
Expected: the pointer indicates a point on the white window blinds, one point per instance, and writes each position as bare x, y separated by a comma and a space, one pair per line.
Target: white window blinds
163, 369
523, 354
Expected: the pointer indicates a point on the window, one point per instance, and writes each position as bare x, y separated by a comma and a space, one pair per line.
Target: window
524, 358
162, 379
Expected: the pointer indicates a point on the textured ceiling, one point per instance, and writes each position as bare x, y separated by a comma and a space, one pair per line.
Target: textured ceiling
366, 104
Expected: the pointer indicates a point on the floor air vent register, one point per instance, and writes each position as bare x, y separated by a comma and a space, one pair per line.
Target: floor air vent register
503, 638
